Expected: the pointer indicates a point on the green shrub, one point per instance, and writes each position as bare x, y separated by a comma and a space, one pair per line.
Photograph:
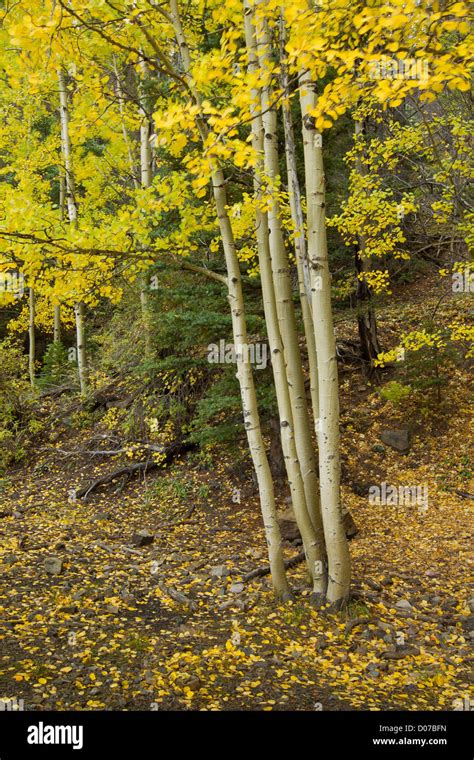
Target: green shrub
17, 422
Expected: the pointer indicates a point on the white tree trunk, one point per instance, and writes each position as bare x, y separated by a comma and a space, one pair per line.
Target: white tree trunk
314, 556
329, 460
283, 290
81, 346
57, 324
297, 216
146, 175
73, 217
244, 369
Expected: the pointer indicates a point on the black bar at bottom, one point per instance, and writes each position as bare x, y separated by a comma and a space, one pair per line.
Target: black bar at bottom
126, 734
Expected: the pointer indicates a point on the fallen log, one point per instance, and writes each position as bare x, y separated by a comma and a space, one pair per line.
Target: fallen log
127, 471
259, 572
464, 494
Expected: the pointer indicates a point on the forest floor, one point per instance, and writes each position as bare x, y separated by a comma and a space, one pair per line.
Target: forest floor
96, 628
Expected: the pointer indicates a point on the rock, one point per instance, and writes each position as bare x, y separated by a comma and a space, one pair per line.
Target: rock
378, 448
143, 538
71, 610
403, 604
431, 573
289, 531
372, 670
397, 438
219, 571
385, 626
468, 623
79, 594
53, 565
193, 683
361, 489
350, 526
17, 515
255, 553
237, 588
387, 581
10, 559
101, 516
470, 604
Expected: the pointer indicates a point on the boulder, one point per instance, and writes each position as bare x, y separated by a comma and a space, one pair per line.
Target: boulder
396, 438
53, 565
143, 538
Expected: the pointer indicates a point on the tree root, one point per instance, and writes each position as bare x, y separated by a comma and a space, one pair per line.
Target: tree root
169, 453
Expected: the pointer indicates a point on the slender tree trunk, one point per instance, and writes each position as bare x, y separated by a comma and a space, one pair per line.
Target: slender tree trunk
57, 324
81, 346
146, 179
146, 175
366, 319
244, 369
126, 136
57, 307
70, 185
73, 217
301, 256
329, 459
32, 338
312, 547
283, 291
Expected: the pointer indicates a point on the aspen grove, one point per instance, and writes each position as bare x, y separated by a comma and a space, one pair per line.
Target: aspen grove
177, 173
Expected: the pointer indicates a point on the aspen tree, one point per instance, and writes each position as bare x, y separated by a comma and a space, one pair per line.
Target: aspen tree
72, 216
57, 307
146, 177
313, 550
328, 440
237, 306
366, 320
282, 282
297, 216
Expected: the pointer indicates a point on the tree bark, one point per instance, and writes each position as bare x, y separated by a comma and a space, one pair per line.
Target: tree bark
329, 459
312, 542
283, 289
146, 176
244, 369
57, 324
301, 255
366, 319
71, 206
